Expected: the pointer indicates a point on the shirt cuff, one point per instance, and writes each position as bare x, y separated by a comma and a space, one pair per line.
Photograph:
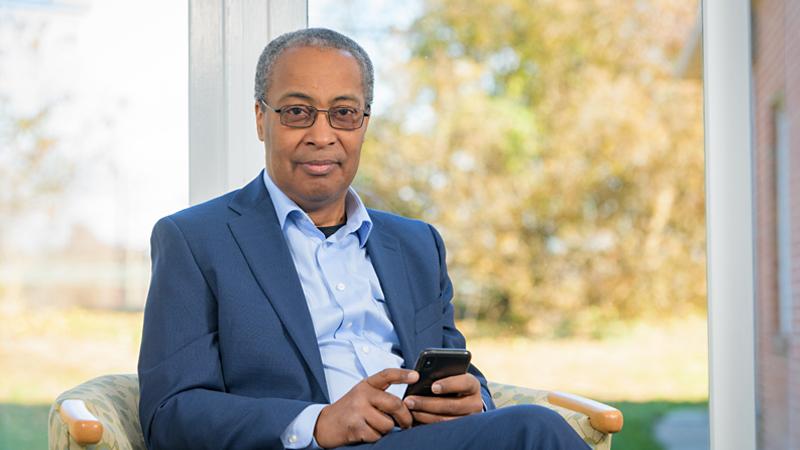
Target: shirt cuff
300, 432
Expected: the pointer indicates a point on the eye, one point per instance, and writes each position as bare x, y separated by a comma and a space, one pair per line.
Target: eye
344, 112
296, 111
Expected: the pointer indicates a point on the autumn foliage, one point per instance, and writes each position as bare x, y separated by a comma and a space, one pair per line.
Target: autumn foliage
558, 153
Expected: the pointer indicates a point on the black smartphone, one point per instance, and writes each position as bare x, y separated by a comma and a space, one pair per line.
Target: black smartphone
437, 363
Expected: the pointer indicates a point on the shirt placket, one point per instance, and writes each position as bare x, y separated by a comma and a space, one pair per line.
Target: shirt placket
334, 264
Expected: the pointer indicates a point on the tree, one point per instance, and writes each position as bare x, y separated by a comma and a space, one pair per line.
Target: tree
34, 172
562, 162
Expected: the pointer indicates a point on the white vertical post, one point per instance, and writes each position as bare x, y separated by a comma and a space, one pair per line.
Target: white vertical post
729, 222
226, 38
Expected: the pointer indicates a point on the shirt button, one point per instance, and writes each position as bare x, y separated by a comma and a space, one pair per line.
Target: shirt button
324, 245
293, 439
365, 348
350, 324
340, 286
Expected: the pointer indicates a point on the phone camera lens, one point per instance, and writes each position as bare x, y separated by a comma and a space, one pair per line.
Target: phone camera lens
428, 364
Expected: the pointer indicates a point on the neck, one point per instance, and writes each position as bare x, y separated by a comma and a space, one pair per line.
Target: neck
326, 214
328, 218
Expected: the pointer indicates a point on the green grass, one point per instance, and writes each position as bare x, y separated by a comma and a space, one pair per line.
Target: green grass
23, 426
637, 431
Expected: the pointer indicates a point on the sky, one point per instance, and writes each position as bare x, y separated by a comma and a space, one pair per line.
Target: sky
116, 72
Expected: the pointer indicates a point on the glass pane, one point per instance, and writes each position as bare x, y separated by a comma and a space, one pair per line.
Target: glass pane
558, 148
93, 150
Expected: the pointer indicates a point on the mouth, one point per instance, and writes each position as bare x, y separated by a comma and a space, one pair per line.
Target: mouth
323, 167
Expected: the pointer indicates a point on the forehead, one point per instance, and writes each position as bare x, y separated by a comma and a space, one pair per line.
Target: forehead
321, 75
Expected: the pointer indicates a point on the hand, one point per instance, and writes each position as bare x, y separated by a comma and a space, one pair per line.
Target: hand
366, 413
436, 409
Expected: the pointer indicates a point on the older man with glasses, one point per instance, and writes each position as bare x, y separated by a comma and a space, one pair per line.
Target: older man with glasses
287, 315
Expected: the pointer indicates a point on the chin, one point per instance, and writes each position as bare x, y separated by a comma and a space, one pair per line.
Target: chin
321, 189
322, 195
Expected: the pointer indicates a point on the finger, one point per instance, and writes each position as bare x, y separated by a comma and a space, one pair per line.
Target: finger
387, 377
421, 417
438, 405
465, 384
401, 416
361, 432
393, 407
446, 406
380, 422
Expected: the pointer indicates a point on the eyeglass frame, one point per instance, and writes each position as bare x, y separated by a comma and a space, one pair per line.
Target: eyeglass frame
314, 120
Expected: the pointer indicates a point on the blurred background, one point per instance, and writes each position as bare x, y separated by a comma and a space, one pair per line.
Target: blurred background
556, 145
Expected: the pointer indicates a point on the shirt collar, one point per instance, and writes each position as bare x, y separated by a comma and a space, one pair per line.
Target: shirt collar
358, 220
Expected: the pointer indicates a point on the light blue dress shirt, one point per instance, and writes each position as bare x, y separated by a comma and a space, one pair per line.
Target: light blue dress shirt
351, 320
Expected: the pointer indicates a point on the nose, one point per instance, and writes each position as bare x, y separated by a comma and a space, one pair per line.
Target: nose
321, 133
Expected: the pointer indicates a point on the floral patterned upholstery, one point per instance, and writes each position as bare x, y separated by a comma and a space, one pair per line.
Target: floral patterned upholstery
114, 400
507, 395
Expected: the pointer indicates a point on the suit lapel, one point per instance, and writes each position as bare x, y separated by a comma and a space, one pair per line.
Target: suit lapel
387, 259
260, 238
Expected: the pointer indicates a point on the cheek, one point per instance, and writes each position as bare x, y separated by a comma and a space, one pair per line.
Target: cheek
278, 147
354, 156
353, 146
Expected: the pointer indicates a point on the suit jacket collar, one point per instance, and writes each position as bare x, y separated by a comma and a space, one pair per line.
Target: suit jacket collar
259, 236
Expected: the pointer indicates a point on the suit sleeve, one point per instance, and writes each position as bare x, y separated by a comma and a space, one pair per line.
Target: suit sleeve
184, 403
451, 337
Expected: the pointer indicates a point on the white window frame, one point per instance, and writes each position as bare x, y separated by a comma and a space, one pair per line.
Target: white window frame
226, 37
727, 97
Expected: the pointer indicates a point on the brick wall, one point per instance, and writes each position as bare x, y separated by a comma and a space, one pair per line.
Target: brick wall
792, 62
776, 79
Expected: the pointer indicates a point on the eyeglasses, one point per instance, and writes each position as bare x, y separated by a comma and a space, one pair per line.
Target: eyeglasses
303, 116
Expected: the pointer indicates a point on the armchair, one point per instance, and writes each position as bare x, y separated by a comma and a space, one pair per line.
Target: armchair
105, 411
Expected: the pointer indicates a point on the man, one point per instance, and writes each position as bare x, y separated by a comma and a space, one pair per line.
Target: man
286, 315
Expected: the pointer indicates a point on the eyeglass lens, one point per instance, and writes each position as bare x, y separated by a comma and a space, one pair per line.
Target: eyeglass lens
338, 117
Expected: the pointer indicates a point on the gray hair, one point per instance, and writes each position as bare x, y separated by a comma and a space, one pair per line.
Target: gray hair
321, 38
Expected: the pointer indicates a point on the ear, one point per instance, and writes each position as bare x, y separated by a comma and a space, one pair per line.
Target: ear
366, 123
260, 121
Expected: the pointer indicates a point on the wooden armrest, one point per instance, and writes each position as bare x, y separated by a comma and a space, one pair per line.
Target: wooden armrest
603, 418
84, 427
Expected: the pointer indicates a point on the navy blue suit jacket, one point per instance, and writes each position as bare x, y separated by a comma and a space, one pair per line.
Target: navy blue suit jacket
229, 355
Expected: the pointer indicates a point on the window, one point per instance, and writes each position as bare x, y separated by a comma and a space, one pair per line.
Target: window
784, 213
93, 150
562, 161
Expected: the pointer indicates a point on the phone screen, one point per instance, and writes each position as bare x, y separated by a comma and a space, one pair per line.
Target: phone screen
437, 363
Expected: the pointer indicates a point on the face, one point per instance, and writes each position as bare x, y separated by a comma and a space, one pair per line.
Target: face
313, 166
